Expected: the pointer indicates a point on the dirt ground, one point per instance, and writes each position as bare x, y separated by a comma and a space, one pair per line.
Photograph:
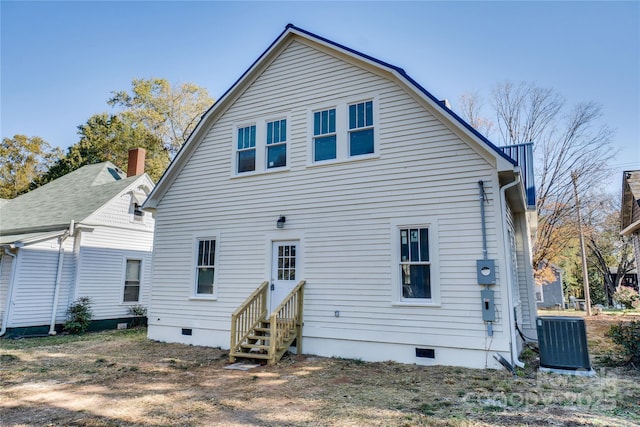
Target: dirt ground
120, 378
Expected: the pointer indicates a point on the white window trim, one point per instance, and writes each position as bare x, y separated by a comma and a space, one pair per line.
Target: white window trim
342, 130
194, 295
415, 222
261, 145
124, 279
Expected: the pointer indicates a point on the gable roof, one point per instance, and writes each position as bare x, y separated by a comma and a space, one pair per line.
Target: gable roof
258, 66
630, 201
51, 208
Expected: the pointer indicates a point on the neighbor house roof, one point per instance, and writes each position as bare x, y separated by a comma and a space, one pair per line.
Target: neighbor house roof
630, 202
49, 209
279, 44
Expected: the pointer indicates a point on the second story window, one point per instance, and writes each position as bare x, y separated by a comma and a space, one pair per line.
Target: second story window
361, 128
276, 144
247, 149
324, 135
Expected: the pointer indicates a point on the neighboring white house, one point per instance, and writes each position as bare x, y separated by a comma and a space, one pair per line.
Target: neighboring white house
83, 234
326, 165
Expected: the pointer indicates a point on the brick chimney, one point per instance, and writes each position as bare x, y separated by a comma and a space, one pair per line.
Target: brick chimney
135, 166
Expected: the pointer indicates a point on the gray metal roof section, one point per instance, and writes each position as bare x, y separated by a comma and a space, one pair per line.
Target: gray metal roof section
74, 196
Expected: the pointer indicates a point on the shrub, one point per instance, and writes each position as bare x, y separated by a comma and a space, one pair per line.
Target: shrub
628, 336
628, 297
138, 310
79, 315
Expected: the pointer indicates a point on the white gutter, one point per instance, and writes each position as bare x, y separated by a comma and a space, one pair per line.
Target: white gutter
507, 261
56, 291
5, 320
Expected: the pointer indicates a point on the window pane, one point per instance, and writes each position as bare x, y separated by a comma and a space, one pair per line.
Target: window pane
332, 121
132, 271
283, 130
316, 123
404, 245
324, 148
361, 142
352, 116
361, 115
269, 133
414, 244
369, 113
131, 293
324, 125
416, 281
247, 160
424, 244
277, 156
205, 280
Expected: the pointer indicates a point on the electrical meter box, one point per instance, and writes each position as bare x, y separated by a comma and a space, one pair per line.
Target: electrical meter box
488, 305
486, 271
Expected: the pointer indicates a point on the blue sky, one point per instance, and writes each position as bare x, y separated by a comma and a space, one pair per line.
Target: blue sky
60, 61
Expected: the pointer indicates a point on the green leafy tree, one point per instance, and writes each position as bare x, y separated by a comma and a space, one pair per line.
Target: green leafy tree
22, 160
170, 113
107, 137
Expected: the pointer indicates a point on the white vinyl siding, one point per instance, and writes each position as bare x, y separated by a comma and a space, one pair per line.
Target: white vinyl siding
344, 210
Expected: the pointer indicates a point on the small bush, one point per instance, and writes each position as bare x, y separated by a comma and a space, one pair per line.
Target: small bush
79, 315
628, 297
628, 336
138, 310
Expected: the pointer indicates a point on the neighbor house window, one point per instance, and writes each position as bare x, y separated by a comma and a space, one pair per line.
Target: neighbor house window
324, 135
132, 281
415, 264
205, 267
247, 149
276, 144
361, 128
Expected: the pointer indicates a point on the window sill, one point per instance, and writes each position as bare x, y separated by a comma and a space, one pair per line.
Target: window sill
264, 172
341, 161
416, 304
203, 298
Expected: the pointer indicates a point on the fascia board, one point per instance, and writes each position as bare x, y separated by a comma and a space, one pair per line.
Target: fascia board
632, 228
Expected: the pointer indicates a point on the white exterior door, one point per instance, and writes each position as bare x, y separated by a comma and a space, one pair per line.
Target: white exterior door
284, 267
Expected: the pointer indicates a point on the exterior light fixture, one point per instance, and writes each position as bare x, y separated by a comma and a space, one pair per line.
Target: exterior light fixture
280, 222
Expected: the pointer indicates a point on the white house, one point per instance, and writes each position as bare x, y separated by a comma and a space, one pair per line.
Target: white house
83, 234
328, 169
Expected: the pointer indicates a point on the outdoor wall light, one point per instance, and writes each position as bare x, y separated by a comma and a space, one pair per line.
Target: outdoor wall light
280, 222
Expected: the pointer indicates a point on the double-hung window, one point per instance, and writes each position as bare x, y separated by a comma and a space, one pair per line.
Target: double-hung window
247, 149
132, 281
205, 267
415, 264
277, 144
361, 128
324, 135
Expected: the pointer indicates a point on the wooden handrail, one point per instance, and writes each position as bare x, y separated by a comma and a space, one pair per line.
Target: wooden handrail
285, 323
248, 316
286, 318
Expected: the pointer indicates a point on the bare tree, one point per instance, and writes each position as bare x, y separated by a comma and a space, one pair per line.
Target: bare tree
471, 105
565, 140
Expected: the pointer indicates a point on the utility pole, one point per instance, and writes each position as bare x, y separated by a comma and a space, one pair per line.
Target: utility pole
585, 274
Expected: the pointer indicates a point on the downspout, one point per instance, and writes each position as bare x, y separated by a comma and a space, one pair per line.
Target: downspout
10, 290
507, 261
56, 289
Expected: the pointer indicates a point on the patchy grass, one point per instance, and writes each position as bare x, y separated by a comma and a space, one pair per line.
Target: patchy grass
121, 378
